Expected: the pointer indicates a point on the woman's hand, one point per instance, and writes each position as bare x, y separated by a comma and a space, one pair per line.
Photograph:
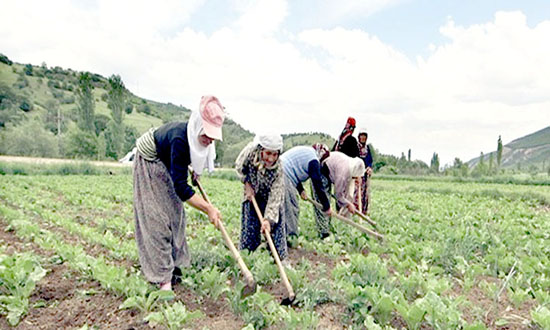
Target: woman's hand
215, 216
303, 194
266, 226
248, 191
351, 208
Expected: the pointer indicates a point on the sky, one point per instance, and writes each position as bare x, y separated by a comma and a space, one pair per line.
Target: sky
431, 76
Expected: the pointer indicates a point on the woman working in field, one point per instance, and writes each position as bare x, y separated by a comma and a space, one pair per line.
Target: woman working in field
342, 171
299, 164
362, 192
160, 186
259, 168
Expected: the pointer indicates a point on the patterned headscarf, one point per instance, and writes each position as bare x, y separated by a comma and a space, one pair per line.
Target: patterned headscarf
347, 131
321, 150
363, 148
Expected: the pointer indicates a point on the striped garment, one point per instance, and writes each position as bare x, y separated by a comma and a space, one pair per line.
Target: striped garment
291, 207
146, 145
296, 163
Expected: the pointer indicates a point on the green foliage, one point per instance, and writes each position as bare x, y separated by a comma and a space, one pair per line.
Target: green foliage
499, 151
5, 59
100, 123
541, 316
9, 106
434, 163
78, 168
81, 144
148, 302
28, 70
114, 138
117, 99
174, 316
300, 139
28, 139
86, 102
19, 274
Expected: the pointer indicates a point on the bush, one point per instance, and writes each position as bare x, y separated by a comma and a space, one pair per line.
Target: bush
145, 108
29, 139
25, 106
80, 144
5, 59
28, 70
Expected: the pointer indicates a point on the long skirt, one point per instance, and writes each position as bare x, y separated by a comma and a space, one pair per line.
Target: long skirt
291, 207
321, 220
160, 221
365, 192
251, 235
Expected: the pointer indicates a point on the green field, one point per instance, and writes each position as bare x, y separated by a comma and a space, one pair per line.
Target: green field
455, 255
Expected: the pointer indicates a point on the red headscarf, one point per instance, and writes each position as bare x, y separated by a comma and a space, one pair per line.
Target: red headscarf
347, 131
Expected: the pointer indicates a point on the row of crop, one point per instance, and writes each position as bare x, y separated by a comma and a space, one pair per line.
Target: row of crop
433, 240
207, 281
46, 209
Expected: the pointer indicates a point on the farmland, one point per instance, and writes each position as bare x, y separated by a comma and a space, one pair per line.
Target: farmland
455, 255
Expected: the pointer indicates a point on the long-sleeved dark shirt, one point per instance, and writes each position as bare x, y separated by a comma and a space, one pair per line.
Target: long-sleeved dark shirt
368, 158
349, 147
173, 151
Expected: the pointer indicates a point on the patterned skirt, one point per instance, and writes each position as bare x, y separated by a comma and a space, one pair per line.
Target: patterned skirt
160, 221
251, 235
321, 219
365, 192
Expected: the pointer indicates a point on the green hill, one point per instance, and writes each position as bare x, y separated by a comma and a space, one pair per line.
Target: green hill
529, 152
45, 99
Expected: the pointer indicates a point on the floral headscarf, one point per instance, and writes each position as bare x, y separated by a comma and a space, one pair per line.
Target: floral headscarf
321, 150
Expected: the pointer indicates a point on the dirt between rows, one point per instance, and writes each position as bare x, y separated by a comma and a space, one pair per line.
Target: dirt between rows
68, 300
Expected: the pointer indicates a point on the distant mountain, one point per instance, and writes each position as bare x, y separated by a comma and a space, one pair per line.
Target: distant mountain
49, 95
525, 152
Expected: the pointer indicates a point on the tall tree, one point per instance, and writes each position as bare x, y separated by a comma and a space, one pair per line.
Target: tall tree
434, 163
499, 151
409, 155
117, 102
117, 98
86, 104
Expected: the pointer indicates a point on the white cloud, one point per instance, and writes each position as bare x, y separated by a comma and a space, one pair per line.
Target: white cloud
261, 17
486, 80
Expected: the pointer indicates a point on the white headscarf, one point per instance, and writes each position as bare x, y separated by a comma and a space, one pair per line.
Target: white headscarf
270, 141
199, 153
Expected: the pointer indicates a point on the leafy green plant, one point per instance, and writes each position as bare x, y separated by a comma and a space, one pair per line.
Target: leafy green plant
174, 316
147, 303
19, 274
541, 316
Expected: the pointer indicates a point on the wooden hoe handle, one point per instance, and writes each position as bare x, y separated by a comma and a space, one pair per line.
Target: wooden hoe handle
274, 253
348, 221
246, 272
366, 218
